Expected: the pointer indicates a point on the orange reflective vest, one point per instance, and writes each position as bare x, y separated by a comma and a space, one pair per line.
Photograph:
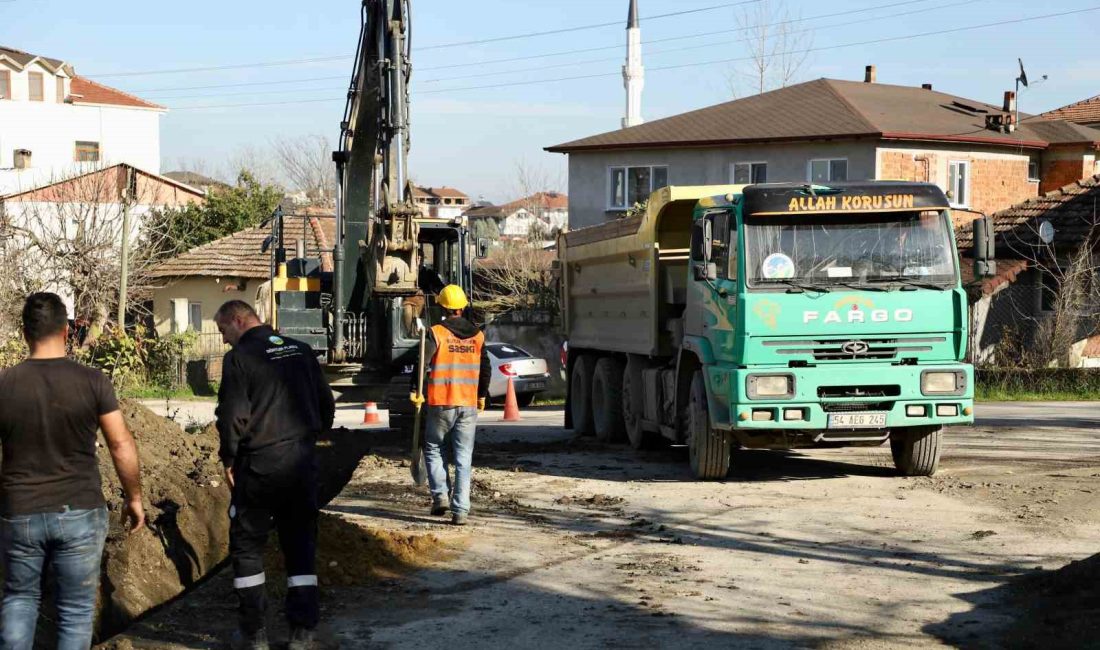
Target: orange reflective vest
455, 369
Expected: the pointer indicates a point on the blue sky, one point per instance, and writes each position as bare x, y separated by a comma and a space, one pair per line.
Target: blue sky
473, 138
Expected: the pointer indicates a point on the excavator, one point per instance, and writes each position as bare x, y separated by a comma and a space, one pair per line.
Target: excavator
389, 259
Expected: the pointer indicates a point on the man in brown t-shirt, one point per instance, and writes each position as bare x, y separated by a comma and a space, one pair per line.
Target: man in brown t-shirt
52, 509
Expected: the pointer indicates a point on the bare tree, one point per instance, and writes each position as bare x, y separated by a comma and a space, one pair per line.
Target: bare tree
67, 236
1071, 290
255, 161
778, 44
533, 183
516, 277
306, 164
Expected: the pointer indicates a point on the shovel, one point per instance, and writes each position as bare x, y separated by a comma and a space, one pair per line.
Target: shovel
416, 459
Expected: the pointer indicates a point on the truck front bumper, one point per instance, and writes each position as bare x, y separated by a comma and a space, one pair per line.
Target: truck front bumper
819, 392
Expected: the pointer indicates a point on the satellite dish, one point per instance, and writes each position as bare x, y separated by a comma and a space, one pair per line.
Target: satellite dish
1046, 232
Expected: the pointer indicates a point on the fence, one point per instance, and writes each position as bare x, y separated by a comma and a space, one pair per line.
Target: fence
202, 365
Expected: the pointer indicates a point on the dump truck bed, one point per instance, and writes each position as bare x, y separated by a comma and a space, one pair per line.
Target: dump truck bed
624, 283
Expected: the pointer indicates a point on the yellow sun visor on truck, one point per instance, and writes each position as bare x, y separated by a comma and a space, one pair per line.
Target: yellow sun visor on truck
835, 198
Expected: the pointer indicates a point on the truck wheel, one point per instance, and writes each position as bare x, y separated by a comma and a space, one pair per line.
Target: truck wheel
607, 400
709, 450
633, 401
916, 451
580, 395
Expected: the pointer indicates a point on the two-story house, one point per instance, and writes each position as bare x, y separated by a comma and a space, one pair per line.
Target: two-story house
832, 130
55, 124
441, 202
540, 215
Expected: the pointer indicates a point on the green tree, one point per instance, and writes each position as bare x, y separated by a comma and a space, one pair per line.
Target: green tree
226, 211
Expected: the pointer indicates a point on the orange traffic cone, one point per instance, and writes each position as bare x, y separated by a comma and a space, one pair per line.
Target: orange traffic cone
511, 407
370, 413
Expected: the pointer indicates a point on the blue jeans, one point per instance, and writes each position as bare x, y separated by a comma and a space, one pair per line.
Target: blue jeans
72, 543
454, 427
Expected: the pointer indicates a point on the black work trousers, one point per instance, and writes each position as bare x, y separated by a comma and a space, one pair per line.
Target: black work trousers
275, 488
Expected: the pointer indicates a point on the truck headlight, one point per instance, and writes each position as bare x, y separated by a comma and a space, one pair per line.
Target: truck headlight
942, 382
760, 386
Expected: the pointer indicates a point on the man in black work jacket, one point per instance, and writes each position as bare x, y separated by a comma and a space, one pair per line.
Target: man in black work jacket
272, 404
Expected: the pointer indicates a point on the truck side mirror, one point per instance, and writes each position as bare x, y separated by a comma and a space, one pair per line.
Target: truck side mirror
985, 254
482, 248
701, 234
705, 271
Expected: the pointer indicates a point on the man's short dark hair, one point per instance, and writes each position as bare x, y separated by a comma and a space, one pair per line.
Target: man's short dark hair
44, 315
235, 309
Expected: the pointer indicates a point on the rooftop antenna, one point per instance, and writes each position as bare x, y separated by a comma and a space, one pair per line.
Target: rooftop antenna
1022, 79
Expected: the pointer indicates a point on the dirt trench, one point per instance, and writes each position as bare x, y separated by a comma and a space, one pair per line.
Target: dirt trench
187, 504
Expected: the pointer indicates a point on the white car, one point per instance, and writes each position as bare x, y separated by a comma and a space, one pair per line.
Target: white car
529, 374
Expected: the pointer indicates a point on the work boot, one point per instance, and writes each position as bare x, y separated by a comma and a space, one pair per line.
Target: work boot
245, 641
300, 639
458, 519
440, 507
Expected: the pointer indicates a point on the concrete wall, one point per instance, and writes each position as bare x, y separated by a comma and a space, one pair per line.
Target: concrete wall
210, 292
50, 130
540, 339
589, 177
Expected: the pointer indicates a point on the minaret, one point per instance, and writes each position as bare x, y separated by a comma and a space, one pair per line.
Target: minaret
633, 72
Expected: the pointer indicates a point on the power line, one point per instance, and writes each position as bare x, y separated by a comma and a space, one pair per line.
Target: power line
617, 23
700, 63
237, 85
613, 47
697, 47
268, 64
678, 38
777, 54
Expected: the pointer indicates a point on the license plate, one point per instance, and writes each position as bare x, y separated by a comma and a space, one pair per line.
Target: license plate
536, 385
864, 420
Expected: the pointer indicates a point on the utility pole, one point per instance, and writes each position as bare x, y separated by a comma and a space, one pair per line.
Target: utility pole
128, 192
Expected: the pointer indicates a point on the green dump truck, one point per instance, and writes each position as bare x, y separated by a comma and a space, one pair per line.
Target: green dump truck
770, 316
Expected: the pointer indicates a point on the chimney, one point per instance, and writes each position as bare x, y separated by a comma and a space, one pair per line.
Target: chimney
1010, 102
22, 159
926, 86
869, 75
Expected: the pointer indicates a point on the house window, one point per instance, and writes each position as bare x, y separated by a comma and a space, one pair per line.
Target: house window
749, 172
86, 152
958, 183
5, 84
36, 88
194, 316
631, 185
1033, 171
60, 90
828, 170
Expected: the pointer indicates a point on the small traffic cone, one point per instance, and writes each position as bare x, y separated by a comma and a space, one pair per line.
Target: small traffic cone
370, 413
511, 406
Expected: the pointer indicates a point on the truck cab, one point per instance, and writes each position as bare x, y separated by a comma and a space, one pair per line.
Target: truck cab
794, 315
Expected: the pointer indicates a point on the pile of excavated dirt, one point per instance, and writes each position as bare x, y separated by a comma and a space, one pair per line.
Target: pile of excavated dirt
1057, 609
349, 555
187, 505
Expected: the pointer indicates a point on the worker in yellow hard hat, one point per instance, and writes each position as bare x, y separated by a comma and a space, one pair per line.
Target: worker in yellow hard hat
457, 389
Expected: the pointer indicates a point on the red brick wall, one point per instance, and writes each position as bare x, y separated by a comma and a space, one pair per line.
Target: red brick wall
998, 183
995, 182
1059, 173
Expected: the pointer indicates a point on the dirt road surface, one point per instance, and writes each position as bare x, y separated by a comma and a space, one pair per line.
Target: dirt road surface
580, 545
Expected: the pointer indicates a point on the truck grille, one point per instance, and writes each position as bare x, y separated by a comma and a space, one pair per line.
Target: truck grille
886, 390
855, 407
855, 348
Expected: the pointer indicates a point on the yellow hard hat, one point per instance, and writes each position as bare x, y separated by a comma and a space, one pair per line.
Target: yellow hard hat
453, 297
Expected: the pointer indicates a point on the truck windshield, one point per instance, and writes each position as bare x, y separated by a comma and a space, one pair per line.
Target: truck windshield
850, 249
